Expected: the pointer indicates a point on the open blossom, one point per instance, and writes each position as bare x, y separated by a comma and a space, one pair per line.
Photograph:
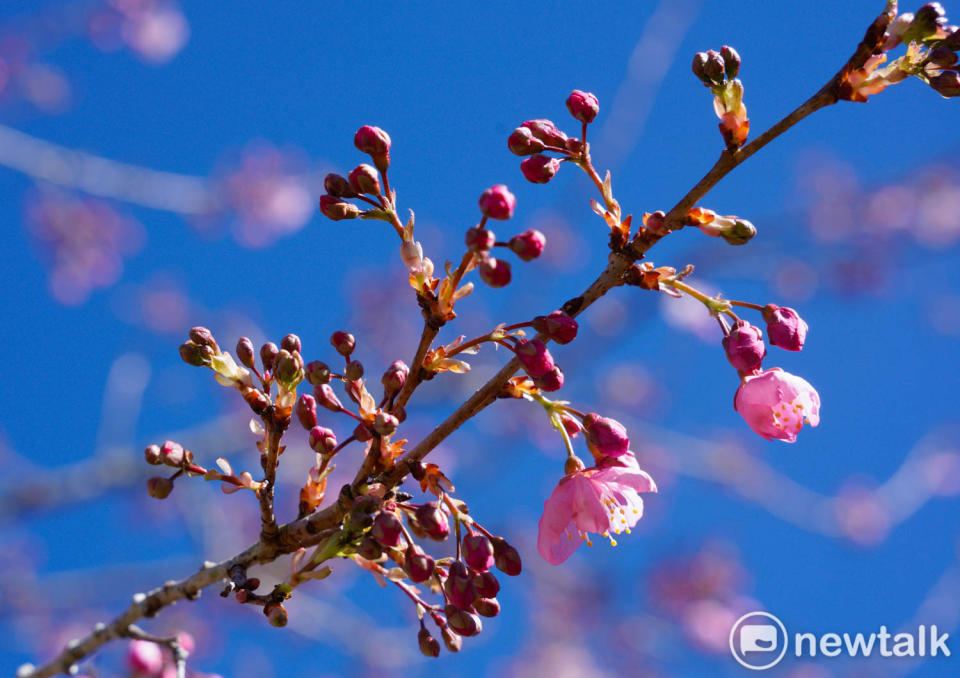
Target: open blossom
601, 499
774, 404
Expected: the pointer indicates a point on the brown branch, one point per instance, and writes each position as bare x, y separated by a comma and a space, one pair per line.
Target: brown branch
269, 460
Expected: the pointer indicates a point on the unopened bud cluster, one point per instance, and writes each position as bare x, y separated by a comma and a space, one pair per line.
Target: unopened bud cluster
718, 71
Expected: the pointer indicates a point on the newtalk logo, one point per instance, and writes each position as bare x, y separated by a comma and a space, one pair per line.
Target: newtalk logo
758, 640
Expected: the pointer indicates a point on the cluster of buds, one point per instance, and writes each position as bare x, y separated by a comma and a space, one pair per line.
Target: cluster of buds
931, 54
718, 71
384, 541
174, 455
733, 229
362, 183
536, 138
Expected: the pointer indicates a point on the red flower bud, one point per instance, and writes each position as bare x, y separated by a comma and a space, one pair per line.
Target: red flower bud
551, 381
522, 142
376, 143
245, 352
480, 239
395, 376
487, 607
387, 529
318, 373
486, 584
539, 169
497, 202
462, 622
433, 521
364, 179
172, 453
322, 440
451, 640
336, 209
534, 357
459, 586
343, 342
429, 646
495, 272
731, 61
606, 437
506, 557
291, 343
159, 487
529, 244
559, 326
478, 552
327, 398
338, 186
385, 423
307, 411
583, 105
354, 370
417, 564
547, 132
785, 327
744, 347
268, 353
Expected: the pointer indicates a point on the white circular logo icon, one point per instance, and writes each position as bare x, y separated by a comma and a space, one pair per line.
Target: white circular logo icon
758, 640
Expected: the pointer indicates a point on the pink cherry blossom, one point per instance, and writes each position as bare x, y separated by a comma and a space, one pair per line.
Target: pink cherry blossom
774, 404
600, 499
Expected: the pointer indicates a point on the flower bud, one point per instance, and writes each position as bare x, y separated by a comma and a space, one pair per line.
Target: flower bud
159, 487
172, 454
571, 425
364, 179
480, 239
529, 244
740, 233
194, 354
327, 398
276, 614
506, 557
451, 640
307, 411
245, 352
699, 64
478, 552
928, 19
497, 202
487, 607
551, 381
362, 433
785, 327
268, 353
395, 377
376, 143
291, 343
539, 169
318, 373
338, 187
606, 437
744, 347
486, 584
459, 585
534, 357
583, 105
947, 84
322, 440
343, 342
256, 399
731, 61
547, 132
462, 622
558, 326
203, 337
145, 658
522, 142
385, 423
387, 529
433, 520
289, 369
713, 69
354, 370
495, 272
656, 222
429, 646
152, 455
417, 564
369, 548
943, 56
336, 209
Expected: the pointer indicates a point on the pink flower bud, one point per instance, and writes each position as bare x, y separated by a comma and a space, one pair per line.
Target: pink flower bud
354, 371
433, 521
495, 272
487, 607
497, 202
159, 487
318, 373
480, 239
362, 433
327, 398
571, 425
534, 357
376, 143
744, 347
368, 548
336, 209
451, 640
529, 244
385, 423
486, 584
343, 342
171, 453
245, 352
291, 342
153, 455
387, 529
522, 142
204, 337
395, 376
785, 327
429, 646
775, 403
338, 186
462, 622
307, 411
547, 132
322, 440
539, 169
268, 353
559, 326
606, 437
364, 179
459, 585
144, 658
196, 355
731, 61
478, 552
583, 105
551, 381
506, 557
417, 564
656, 222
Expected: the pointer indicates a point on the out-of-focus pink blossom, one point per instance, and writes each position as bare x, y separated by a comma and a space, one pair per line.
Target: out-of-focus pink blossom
774, 404
144, 658
603, 499
156, 31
